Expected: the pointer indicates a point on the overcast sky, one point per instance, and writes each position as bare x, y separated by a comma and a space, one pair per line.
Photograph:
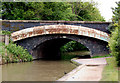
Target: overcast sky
104, 7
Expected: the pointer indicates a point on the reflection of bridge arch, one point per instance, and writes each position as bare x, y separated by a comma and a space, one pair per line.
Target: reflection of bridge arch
59, 29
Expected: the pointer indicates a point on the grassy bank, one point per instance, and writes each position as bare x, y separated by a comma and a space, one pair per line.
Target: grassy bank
110, 72
67, 57
101, 56
76, 54
80, 53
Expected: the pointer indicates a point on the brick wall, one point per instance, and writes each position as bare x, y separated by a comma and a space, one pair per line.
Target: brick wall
15, 25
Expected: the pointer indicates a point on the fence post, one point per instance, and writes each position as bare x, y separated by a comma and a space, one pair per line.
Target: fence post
1, 38
6, 39
6, 43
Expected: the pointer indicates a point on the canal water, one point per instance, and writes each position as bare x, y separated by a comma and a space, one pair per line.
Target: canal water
40, 70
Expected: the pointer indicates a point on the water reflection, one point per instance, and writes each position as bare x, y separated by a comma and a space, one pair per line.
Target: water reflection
42, 70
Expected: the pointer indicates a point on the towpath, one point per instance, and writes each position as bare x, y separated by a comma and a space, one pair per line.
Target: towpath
90, 70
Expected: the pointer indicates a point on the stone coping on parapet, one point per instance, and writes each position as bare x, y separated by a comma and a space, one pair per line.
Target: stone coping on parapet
59, 21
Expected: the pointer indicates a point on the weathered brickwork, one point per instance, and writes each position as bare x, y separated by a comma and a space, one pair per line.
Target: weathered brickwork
96, 47
59, 29
48, 44
15, 25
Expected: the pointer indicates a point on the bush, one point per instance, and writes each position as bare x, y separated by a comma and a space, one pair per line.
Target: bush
5, 32
72, 46
20, 54
114, 43
12, 52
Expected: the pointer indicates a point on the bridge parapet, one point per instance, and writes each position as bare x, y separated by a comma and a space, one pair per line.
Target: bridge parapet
16, 25
59, 29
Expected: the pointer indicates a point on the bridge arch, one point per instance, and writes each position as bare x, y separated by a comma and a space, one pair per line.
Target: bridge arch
95, 46
50, 48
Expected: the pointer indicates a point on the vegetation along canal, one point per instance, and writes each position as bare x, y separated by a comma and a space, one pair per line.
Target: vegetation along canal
39, 70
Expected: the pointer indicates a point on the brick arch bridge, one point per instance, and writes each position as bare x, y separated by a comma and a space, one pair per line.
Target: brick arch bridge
46, 38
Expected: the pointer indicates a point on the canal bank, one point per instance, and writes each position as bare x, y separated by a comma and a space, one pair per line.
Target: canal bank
90, 70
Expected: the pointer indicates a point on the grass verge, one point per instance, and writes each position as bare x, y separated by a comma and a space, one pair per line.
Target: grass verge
75, 54
101, 56
80, 53
67, 57
110, 72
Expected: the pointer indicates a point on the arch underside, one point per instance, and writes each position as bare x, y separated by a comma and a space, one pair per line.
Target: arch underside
42, 45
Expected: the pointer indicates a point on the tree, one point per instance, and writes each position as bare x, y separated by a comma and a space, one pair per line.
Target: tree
116, 12
86, 11
22, 10
58, 11
37, 11
114, 42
